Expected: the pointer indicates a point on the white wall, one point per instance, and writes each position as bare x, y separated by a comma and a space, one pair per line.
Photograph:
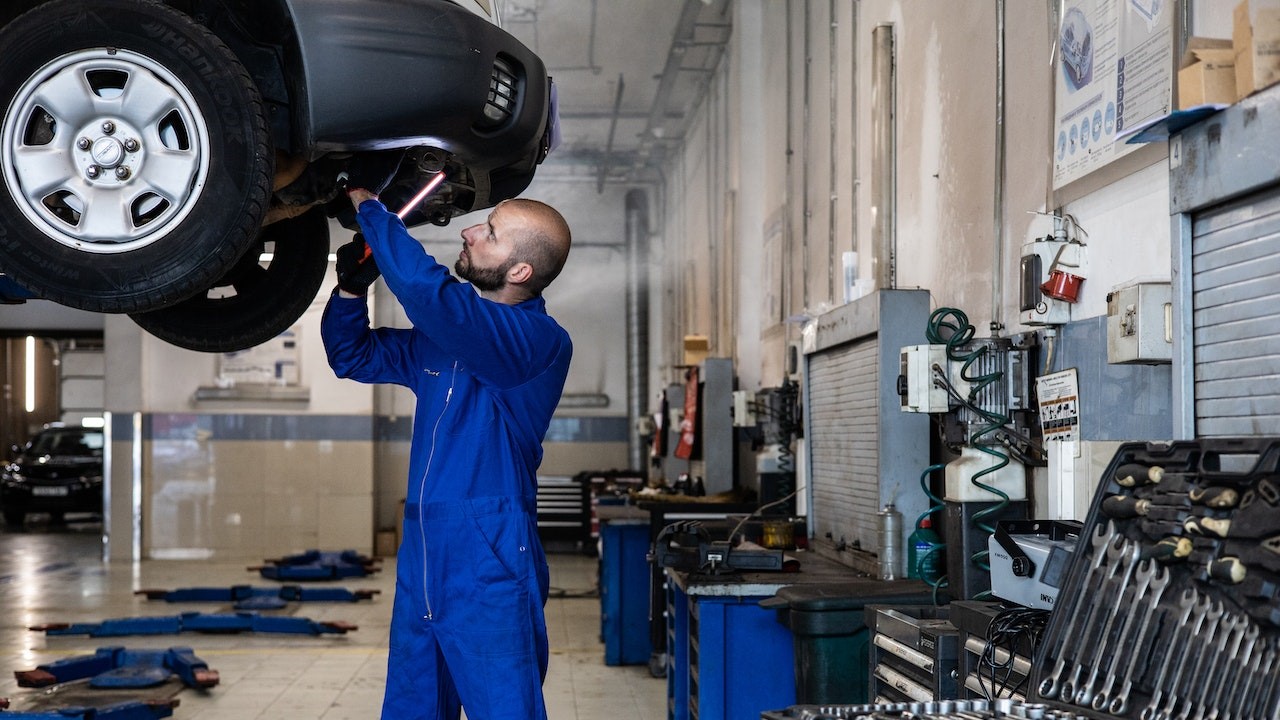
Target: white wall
797, 74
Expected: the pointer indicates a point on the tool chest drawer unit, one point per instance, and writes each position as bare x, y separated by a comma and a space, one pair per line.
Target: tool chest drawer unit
913, 653
1171, 606
991, 665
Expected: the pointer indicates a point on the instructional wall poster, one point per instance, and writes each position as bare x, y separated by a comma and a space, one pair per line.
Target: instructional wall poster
274, 362
1114, 71
1059, 398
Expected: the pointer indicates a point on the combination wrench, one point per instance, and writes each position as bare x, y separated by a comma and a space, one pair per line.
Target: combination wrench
1191, 604
1100, 540
1154, 580
1133, 570
1122, 559
1186, 684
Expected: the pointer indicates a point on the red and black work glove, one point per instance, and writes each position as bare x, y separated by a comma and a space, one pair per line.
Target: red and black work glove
357, 270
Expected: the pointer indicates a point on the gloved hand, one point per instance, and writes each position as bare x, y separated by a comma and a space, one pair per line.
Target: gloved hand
372, 171
356, 268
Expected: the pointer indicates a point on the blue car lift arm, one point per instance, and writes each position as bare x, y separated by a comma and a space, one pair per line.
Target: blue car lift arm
134, 710
216, 623
118, 667
247, 597
318, 565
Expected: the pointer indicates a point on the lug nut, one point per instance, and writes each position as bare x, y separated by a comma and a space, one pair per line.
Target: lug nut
84, 143
93, 171
131, 145
122, 173
108, 127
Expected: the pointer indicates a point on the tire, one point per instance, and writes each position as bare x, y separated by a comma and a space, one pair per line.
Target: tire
252, 304
15, 519
134, 151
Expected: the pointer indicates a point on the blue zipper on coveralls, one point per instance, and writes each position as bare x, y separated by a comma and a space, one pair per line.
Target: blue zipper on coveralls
422, 489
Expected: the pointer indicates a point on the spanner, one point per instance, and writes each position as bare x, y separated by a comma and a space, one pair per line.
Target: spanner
1084, 695
1119, 552
1230, 630
1213, 634
1100, 540
1193, 605
1226, 709
1156, 580
1256, 695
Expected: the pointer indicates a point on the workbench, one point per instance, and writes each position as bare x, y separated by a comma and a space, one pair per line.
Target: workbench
729, 658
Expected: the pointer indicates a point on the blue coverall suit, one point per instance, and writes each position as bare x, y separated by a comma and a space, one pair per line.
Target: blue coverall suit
471, 578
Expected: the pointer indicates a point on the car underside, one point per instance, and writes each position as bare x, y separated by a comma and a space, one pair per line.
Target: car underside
180, 161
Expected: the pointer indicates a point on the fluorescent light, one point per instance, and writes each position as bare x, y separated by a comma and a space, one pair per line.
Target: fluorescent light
93, 422
31, 374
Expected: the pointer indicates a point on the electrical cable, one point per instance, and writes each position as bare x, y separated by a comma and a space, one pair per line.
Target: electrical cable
1018, 632
758, 510
961, 332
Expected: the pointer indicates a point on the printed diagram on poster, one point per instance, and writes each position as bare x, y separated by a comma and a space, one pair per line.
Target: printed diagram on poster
274, 362
1114, 71
1059, 395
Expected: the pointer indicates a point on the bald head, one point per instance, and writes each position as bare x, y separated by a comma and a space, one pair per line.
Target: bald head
543, 242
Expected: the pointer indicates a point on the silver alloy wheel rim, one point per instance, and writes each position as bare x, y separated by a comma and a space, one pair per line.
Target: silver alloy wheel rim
104, 150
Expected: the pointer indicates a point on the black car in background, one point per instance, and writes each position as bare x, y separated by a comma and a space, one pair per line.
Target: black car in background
179, 160
58, 471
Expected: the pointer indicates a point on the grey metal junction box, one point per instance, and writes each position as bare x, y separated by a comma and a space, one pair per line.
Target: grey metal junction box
1140, 324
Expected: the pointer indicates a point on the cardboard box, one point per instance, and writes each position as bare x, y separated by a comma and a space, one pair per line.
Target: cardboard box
1207, 74
1255, 38
696, 349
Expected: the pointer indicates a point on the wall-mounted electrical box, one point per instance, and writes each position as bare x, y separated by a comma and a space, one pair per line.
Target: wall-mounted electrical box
1035, 307
916, 386
1140, 324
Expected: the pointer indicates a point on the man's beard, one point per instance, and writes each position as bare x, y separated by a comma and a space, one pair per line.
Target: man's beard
485, 279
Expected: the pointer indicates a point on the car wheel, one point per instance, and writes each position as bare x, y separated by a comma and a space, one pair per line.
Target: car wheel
14, 518
258, 299
134, 151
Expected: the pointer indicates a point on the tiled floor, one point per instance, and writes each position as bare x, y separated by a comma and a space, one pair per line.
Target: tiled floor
55, 575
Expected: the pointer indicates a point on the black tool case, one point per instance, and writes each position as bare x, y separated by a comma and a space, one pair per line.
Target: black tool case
1171, 606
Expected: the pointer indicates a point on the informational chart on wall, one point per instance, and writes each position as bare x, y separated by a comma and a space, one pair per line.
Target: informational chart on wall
272, 363
1059, 398
1114, 71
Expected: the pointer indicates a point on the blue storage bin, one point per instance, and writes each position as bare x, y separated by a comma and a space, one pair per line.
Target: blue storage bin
624, 592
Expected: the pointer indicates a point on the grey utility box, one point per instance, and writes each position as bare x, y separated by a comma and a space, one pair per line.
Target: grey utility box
1140, 324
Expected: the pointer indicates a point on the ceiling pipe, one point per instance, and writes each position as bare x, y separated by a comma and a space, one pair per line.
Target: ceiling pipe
613, 127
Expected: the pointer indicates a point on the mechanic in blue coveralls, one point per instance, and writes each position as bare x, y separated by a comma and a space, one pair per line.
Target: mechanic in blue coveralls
487, 364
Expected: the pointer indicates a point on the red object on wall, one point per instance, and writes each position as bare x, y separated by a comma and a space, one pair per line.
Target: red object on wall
1062, 286
689, 425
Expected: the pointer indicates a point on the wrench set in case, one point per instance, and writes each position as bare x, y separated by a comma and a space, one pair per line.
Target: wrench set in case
1171, 607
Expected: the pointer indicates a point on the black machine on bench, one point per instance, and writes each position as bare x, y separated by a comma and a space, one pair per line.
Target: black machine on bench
687, 546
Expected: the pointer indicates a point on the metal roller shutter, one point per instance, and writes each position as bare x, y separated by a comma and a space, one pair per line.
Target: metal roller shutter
1235, 263
863, 451
845, 450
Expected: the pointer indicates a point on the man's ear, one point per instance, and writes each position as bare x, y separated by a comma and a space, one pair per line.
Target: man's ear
520, 273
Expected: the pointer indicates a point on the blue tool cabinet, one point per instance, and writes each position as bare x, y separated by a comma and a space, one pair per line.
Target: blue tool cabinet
729, 658
624, 592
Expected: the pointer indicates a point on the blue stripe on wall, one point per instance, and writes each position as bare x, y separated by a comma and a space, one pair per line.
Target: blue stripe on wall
193, 426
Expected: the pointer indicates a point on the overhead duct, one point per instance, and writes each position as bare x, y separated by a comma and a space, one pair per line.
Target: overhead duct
637, 233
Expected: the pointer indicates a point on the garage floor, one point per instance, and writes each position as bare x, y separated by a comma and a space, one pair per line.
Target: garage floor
55, 575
